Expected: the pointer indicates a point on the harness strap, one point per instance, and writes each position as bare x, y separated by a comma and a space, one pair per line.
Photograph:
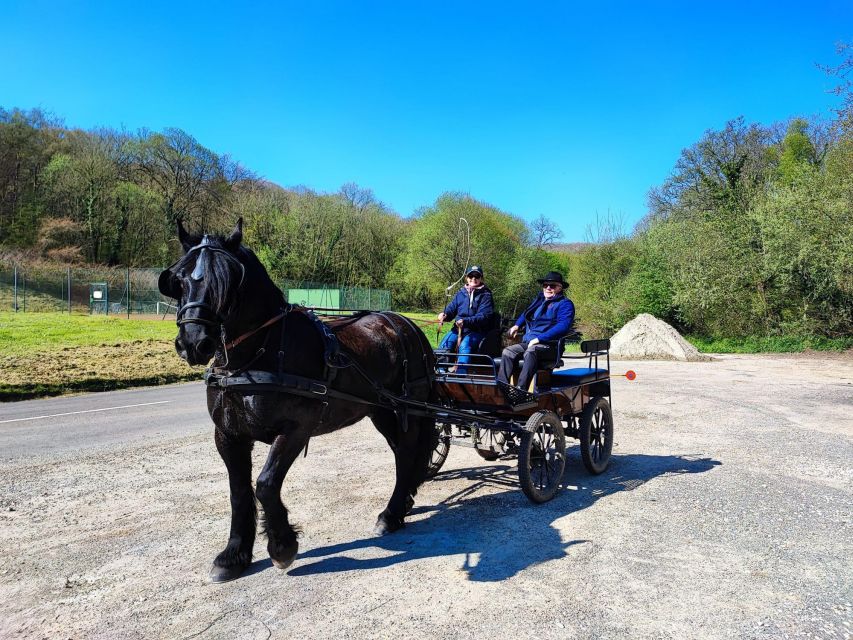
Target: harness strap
401, 339
249, 334
332, 357
248, 381
284, 383
427, 378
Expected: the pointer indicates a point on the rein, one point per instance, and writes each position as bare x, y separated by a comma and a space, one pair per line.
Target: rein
230, 345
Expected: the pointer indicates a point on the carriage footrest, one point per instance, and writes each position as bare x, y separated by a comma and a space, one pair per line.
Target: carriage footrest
517, 398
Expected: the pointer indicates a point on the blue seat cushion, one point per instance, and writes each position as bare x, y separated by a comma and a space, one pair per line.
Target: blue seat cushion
574, 377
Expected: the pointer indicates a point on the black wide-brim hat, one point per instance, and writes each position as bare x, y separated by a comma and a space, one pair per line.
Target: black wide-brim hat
553, 276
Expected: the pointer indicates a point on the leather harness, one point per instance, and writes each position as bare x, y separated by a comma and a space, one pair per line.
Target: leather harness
247, 380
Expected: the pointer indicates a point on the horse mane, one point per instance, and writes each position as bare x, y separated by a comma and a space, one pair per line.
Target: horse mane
222, 275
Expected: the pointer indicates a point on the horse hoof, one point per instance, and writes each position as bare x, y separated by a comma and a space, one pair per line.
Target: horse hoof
225, 574
384, 527
282, 564
286, 556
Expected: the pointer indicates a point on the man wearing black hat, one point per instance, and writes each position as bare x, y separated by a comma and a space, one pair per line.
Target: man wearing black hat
474, 310
547, 320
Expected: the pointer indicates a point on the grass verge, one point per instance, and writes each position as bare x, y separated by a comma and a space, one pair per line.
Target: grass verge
778, 344
47, 354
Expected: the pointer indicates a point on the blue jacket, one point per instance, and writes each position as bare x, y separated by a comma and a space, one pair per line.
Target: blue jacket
549, 324
478, 316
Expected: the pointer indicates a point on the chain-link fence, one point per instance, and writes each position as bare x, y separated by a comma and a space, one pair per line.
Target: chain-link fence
125, 291
74, 289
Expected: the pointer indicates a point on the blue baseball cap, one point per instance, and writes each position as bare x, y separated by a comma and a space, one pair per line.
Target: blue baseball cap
474, 269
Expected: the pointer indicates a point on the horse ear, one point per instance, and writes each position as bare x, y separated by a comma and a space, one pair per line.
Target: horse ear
236, 237
184, 237
168, 285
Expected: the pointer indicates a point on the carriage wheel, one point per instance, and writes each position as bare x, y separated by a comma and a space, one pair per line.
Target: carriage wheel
489, 444
542, 456
442, 448
596, 435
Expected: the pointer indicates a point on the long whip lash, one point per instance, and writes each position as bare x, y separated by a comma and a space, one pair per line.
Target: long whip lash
449, 290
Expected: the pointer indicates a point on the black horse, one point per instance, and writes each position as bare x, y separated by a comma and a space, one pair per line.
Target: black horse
230, 311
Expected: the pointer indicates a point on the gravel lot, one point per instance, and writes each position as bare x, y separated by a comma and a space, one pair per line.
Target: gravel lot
726, 514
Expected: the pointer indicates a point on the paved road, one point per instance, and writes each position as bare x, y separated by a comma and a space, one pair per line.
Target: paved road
93, 421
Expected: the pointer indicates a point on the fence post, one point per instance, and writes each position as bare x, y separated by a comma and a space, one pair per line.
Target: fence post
15, 288
24, 284
68, 278
127, 286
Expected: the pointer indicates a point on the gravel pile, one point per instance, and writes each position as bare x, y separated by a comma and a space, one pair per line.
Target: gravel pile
647, 338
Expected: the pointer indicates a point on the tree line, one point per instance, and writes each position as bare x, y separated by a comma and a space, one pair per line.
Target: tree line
751, 233
113, 197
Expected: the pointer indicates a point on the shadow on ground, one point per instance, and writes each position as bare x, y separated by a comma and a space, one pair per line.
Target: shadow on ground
501, 533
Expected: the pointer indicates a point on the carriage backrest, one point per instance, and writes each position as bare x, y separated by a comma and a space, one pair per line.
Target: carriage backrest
591, 346
491, 343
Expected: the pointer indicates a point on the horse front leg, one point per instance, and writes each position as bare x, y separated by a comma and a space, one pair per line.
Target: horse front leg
237, 555
281, 535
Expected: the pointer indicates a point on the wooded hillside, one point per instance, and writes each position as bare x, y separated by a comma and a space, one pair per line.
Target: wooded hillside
751, 234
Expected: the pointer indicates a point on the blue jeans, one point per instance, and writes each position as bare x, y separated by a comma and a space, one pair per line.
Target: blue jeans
470, 341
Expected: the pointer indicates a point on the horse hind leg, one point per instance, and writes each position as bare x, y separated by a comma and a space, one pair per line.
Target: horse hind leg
404, 444
237, 555
427, 441
282, 543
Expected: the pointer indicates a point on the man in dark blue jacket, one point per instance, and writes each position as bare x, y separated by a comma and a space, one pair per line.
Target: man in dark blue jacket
547, 320
474, 311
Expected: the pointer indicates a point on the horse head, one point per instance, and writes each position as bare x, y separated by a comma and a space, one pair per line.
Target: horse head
206, 281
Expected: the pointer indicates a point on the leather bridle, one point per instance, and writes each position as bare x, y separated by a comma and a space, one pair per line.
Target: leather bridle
212, 318
216, 319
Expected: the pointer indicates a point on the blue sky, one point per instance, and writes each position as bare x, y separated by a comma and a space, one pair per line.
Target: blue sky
562, 109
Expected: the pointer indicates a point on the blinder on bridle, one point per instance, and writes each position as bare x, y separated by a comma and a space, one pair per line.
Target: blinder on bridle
170, 285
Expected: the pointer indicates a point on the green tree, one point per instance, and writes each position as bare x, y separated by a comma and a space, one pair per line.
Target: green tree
437, 251
28, 140
798, 153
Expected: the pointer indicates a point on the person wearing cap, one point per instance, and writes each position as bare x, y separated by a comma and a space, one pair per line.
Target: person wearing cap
474, 312
546, 320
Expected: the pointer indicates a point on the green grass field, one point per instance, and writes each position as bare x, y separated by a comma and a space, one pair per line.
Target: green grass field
22, 333
44, 354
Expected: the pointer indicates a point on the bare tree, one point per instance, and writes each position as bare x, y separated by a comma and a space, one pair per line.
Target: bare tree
608, 228
356, 197
844, 72
544, 232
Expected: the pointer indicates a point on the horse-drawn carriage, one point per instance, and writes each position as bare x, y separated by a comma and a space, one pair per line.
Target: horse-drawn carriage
281, 375
474, 409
